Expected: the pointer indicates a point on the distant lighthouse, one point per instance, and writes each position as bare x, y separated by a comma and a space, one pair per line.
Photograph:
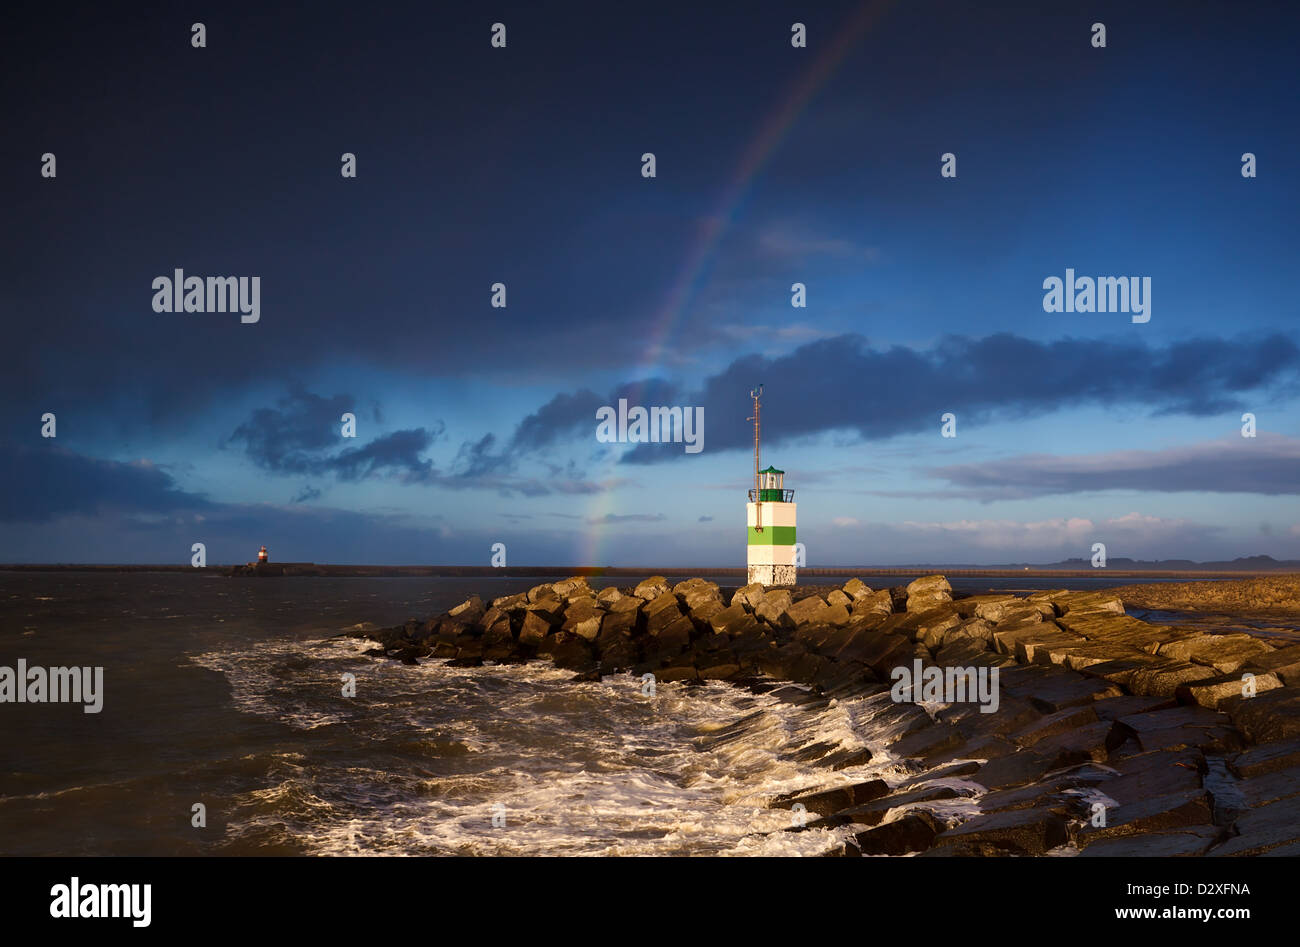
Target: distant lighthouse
261, 555
771, 517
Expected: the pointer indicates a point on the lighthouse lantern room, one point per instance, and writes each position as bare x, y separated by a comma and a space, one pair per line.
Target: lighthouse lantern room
771, 517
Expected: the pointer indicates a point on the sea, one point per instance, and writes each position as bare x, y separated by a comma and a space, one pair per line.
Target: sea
226, 730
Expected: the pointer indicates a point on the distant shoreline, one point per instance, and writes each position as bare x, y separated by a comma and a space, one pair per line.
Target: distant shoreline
308, 569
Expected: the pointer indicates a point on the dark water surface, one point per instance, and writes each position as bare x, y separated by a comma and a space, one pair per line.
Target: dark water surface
227, 692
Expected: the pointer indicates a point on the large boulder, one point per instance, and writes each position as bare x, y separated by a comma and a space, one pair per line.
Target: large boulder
731, 620
806, 609
774, 608
534, 629
540, 591
469, 611
652, 588
574, 585
750, 596
661, 612
856, 589
928, 592
583, 618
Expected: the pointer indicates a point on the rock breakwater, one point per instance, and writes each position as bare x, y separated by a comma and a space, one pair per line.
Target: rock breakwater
1111, 736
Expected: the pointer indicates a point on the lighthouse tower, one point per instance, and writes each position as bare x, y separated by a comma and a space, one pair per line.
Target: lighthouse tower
770, 513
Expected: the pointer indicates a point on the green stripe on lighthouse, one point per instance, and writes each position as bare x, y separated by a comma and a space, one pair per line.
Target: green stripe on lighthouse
772, 536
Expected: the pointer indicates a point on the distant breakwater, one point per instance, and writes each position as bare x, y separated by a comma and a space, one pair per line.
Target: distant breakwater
1110, 736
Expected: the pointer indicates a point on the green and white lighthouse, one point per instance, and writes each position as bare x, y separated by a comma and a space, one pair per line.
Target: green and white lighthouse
770, 513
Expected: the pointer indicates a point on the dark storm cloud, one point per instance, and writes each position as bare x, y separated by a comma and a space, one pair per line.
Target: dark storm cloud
282, 438
844, 384
296, 436
567, 414
39, 483
1267, 464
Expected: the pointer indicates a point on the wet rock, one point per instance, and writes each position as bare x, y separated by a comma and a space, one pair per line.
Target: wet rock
1017, 769
826, 802
1214, 691
913, 832
927, 742
1284, 662
1271, 787
1052, 689
961, 652
1152, 814
1263, 829
1189, 841
1225, 653
877, 811
1012, 832
1093, 742
720, 672
1273, 715
1063, 721
1112, 708
1266, 758
884, 652
681, 672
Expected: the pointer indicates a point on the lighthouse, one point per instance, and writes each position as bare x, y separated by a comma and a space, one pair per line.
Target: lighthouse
261, 555
770, 515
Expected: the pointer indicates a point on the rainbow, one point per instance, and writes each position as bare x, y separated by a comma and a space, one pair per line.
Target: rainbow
687, 284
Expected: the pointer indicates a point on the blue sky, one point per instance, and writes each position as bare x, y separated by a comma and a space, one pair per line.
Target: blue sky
775, 165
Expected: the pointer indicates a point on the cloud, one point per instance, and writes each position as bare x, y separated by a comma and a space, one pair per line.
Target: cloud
297, 435
39, 483
1072, 536
791, 242
627, 518
843, 384
1268, 464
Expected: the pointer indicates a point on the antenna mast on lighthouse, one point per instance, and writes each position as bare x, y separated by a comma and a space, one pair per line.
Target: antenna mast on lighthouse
757, 395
